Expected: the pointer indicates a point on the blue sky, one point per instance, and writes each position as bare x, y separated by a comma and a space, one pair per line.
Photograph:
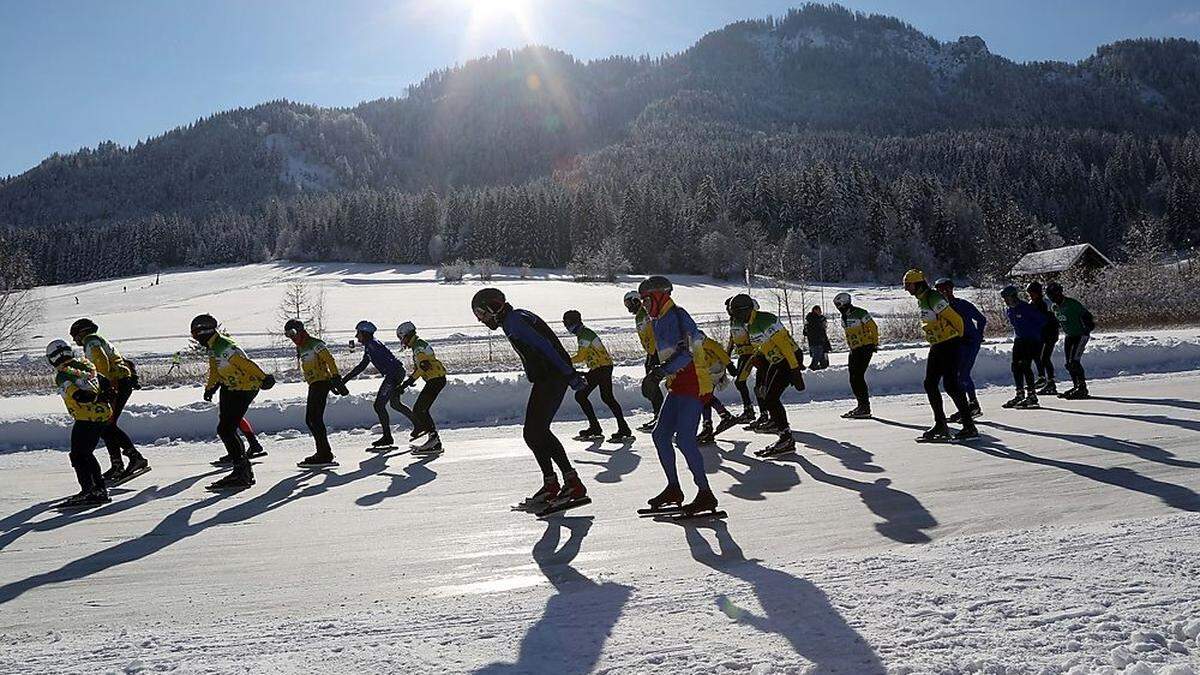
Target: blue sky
75, 73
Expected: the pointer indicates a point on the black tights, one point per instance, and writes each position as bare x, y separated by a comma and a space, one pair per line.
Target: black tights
942, 368
545, 397
600, 378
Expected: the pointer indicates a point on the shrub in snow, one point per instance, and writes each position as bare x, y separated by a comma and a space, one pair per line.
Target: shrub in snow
453, 271
486, 268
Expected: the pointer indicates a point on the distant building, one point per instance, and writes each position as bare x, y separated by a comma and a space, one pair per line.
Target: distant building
1057, 261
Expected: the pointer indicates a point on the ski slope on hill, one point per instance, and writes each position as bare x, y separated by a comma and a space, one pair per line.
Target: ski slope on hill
1065, 541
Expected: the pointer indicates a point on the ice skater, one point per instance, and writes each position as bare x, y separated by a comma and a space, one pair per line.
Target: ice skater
676, 337
944, 330
1027, 323
79, 386
377, 354
426, 366
592, 353
862, 336
320, 372
548, 368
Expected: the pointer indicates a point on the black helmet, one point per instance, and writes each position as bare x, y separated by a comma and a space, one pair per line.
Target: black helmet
82, 328
204, 326
740, 306
633, 302
1010, 291
293, 327
655, 283
1054, 288
489, 306
944, 281
572, 318
1034, 287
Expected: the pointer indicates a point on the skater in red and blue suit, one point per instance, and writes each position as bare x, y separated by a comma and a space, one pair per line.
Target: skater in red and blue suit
688, 387
974, 323
548, 368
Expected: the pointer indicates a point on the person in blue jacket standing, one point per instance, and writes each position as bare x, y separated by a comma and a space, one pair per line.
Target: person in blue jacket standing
1027, 322
548, 367
973, 325
377, 354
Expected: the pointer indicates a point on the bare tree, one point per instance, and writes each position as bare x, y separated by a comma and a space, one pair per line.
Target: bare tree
299, 301
20, 306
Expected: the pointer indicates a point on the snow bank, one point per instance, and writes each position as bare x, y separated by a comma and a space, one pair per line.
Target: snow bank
494, 399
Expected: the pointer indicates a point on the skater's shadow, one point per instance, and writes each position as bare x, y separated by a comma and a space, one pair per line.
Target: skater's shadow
17, 525
894, 423
569, 637
1150, 453
793, 608
759, 477
1132, 400
415, 475
620, 462
852, 456
1175, 496
178, 525
1190, 425
904, 515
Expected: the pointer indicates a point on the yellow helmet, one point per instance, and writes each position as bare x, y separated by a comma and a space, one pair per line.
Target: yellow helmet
913, 276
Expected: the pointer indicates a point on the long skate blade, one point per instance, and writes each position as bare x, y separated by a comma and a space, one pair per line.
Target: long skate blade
75, 508
316, 465
934, 441
564, 506
381, 448
528, 506
227, 488
650, 513
126, 477
703, 515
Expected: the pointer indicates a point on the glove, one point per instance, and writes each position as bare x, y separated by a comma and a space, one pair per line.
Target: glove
338, 388
209, 393
798, 379
133, 375
732, 370
578, 382
82, 396
268, 382
650, 384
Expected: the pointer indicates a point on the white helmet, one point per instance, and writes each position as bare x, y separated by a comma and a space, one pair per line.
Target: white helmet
841, 299
59, 351
404, 330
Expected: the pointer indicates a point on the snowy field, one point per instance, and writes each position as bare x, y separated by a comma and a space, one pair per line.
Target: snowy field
1067, 540
1064, 541
148, 319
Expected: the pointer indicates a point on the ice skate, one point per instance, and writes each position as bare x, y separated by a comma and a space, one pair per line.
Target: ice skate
668, 501
859, 413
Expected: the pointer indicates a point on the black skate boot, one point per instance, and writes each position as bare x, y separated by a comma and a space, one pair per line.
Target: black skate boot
667, 501
967, 433
137, 466
1048, 389
117, 468
572, 495
317, 461
762, 419
704, 504
746, 417
976, 410
1078, 393
1014, 401
649, 426
706, 436
859, 413
727, 422
431, 446
590, 434
936, 434
622, 436
255, 450
239, 479
784, 445
1027, 403
385, 442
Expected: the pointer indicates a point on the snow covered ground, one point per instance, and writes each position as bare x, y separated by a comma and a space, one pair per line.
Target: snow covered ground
1065, 541
148, 319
